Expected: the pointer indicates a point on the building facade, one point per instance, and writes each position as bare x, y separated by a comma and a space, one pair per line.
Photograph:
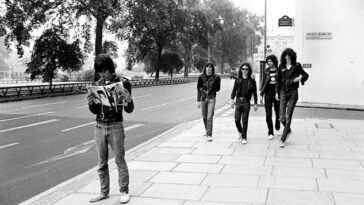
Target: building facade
329, 41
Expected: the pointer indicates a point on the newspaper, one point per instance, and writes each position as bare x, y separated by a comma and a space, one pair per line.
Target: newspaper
109, 95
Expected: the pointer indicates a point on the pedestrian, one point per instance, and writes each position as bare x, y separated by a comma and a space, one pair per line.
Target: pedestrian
269, 92
244, 88
207, 85
110, 130
290, 73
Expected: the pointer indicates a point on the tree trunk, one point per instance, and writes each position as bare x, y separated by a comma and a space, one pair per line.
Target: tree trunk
187, 61
158, 61
98, 41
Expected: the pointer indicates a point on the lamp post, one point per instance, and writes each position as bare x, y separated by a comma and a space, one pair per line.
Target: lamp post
221, 21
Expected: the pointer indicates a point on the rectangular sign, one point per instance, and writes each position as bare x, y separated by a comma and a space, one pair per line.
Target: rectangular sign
318, 35
307, 65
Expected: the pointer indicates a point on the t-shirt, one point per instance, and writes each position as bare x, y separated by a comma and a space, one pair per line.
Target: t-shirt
272, 79
244, 88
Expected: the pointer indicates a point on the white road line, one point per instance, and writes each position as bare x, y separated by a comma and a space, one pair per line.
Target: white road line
133, 127
8, 145
189, 98
142, 96
72, 128
16, 118
154, 107
44, 104
30, 125
82, 106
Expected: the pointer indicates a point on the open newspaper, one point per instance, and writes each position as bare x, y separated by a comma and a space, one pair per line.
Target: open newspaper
109, 95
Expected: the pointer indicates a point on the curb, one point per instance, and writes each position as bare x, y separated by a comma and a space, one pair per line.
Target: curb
70, 186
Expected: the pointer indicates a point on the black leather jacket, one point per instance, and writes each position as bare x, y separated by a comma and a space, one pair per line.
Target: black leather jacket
266, 79
286, 77
207, 86
252, 89
110, 114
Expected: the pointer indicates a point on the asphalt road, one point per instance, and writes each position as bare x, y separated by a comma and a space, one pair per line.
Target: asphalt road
44, 142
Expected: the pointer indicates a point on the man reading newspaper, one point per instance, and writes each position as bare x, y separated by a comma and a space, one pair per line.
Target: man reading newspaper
109, 127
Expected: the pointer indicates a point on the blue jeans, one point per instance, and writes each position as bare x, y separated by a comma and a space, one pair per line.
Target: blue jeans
207, 109
113, 134
288, 102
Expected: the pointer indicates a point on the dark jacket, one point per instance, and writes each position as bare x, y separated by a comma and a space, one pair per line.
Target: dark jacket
286, 83
110, 114
266, 79
252, 89
208, 86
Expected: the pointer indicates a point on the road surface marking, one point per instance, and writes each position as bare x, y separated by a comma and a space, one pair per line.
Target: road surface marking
189, 98
8, 145
142, 96
154, 107
78, 149
44, 104
30, 125
72, 128
16, 118
82, 106
133, 127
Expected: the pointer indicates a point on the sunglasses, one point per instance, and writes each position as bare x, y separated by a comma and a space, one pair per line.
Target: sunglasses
245, 69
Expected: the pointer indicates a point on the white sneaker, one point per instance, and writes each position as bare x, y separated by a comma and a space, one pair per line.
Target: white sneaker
124, 198
270, 137
281, 144
239, 136
244, 141
209, 138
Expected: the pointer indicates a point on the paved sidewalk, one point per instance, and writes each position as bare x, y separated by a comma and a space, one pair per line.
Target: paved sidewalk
322, 164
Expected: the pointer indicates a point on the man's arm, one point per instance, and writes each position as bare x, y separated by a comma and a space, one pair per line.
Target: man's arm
130, 104
199, 86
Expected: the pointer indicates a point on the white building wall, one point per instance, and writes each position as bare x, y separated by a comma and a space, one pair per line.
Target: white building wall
337, 73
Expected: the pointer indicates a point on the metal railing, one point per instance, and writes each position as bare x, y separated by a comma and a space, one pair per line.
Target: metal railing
29, 91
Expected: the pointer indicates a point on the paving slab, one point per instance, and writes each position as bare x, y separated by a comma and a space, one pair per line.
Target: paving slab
293, 197
174, 191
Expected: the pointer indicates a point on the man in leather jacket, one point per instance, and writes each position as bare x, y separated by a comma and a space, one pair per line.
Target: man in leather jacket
109, 128
207, 85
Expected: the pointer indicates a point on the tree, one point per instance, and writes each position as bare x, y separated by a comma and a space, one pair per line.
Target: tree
4, 54
23, 17
193, 30
52, 52
171, 62
152, 27
234, 43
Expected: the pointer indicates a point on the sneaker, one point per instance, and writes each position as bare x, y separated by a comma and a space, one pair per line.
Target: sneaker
239, 136
281, 144
100, 197
209, 138
270, 137
244, 141
289, 134
124, 198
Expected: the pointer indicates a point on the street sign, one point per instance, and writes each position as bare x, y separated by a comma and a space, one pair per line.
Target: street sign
307, 65
285, 21
318, 35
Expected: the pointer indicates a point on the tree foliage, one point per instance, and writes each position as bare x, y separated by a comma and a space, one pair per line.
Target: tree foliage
171, 63
51, 52
152, 27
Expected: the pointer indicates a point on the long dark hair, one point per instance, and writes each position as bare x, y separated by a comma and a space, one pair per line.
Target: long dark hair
207, 65
274, 60
250, 71
290, 52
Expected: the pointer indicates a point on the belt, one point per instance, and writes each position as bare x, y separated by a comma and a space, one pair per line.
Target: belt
242, 99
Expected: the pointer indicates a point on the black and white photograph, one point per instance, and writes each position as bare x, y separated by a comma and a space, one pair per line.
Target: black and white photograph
182, 102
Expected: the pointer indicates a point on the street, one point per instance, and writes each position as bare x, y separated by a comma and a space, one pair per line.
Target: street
44, 142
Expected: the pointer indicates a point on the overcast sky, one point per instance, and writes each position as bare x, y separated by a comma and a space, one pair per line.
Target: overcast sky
275, 9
